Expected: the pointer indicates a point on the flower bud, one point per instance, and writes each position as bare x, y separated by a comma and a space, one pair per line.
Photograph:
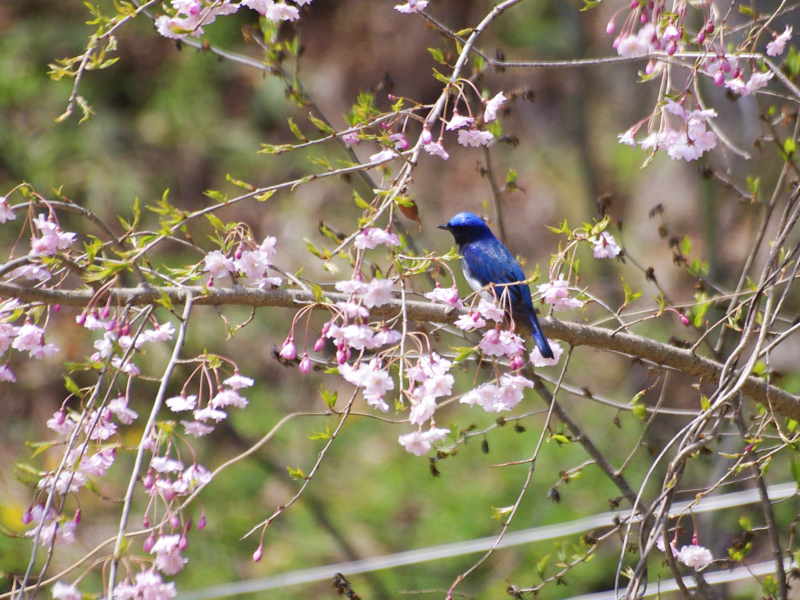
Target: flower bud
611, 28
305, 364
56, 308
426, 135
77, 517
719, 78
174, 521
288, 350
710, 27
201, 524
149, 543
258, 554
319, 344
27, 517
701, 37
183, 543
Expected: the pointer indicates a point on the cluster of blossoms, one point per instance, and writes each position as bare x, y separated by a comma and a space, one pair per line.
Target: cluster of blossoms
693, 556
248, 261
191, 15
24, 338
215, 410
46, 240
662, 30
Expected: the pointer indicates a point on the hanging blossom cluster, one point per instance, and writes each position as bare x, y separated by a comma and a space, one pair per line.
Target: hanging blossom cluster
247, 260
190, 16
650, 27
694, 555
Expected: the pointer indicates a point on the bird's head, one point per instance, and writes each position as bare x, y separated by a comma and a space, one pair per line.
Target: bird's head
467, 227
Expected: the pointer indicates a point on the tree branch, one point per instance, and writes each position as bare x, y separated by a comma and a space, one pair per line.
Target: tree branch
686, 361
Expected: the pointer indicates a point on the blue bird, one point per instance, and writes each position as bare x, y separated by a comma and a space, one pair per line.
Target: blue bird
485, 260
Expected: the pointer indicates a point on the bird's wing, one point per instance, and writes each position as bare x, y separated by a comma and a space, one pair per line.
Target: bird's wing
489, 261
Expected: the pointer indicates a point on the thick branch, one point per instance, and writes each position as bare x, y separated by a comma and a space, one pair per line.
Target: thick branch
574, 334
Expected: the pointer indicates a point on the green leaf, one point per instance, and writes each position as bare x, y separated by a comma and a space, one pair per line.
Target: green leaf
744, 522
327, 397
561, 439
640, 412
500, 513
39, 447
686, 245
296, 131
437, 55
705, 403
796, 472
296, 473
321, 125
71, 386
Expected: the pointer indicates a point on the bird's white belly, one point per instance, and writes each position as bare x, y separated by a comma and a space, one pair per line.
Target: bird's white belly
471, 279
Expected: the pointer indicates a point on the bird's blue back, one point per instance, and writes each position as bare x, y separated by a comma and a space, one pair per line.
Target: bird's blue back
486, 260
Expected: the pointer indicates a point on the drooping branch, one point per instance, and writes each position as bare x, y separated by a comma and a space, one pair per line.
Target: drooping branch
575, 334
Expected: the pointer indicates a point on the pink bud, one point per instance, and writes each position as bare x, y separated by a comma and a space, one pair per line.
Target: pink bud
736, 73
643, 18
710, 27
81, 318
426, 135
27, 517
719, 78
238, 253
148, 482
168, 495
694, 539
183, 543
611, 28
326, 328
672, 48
146, 522
305, 364
725, 65
288, 350
201, 524
61, 417
210, 281
650, 68
174, 521
105, 312
634, 4
701, 37
56, 308
111, 325
258, 554
77, 517
684, 319
319, 344
341, 357
149, 542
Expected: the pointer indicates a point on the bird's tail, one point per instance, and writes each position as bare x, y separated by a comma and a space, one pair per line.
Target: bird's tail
538, 337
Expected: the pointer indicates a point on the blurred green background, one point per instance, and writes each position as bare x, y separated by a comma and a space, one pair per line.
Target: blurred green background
171, 117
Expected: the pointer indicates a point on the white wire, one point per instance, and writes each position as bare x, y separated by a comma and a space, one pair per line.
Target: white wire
526, 536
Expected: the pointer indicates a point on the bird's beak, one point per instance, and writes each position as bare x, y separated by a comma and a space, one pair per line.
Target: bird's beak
443, 227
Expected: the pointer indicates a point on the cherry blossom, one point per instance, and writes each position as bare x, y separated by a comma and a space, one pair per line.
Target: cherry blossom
537, 360
204, 414
636, 44
412, 6
6, 214
196, 428
492, 106
372, 378
181, 403
377, 293
474, 137
383, 156
776, 46
218, 265
757, 81
604, 246
458, 121
66, 591
470, 321
6, 374
420, 443
371, 237
119, 407
436, 149
695, 556
61, 423
149, 585
237, 381
557, 293
448, 296
168, 557
226, 398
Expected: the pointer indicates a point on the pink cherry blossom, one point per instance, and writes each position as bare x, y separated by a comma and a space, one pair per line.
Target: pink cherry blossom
66, 591
489, 309
237, 381
557, 293
492, 106
181, 403
196, 428
61, 423
474, 137
371, 237
422, 409
470, 321
757, 81
204, 414
6, 374
537, 360
412, 6
448, 296
776, 47
604, 246
6, 214
383, 156
119, 407
695, 556
253, 263
420, 443
458, 121
218, 265
377, 293
385, 337
374, 380
226, 398
636, 44
436, 149
350, 286
149, 585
